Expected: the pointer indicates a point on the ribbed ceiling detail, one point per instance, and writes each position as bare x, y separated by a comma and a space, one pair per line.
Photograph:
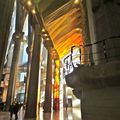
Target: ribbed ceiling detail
65, 28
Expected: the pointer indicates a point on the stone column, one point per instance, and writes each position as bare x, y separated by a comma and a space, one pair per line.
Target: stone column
5, 22
90, 21
17, 37
48, 87
56, 90
31, 106
29, 52
90, 26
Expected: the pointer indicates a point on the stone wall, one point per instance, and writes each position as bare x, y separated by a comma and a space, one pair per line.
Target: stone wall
106, 14
98, 87
101, 104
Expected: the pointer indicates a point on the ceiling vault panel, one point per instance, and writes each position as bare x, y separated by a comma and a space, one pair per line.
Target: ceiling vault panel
65, 28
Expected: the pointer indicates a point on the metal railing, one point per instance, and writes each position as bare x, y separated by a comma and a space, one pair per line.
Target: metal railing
99, 52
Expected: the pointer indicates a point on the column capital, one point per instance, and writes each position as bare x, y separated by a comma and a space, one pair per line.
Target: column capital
29, 50
55, 55
47, 38
17, 35
48, 44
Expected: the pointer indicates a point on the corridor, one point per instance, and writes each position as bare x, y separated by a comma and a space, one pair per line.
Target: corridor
58, 53
63, 114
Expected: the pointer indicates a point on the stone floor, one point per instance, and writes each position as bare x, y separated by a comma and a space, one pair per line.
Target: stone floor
63, 114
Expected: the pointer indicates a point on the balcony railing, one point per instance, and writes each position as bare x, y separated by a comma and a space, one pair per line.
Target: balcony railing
100, 52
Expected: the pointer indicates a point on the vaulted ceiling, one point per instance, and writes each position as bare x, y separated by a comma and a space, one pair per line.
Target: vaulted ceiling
65, 27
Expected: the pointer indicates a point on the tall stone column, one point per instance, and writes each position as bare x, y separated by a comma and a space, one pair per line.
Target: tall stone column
90, 21
88, 32
29, 52
17, 37
5, 22
48, 87
31, 106
92, 31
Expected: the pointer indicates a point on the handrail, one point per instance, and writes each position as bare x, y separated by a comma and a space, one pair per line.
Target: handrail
103, 52
89, 44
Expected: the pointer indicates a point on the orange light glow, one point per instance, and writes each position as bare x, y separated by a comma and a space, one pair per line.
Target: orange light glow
56, 85
66, 30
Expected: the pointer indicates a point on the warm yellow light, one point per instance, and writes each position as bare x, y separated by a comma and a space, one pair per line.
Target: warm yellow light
43, 30
57, 62
57, 69
57, 77
45, 35
47, 39
33, 11
29, 3
77, 1
79, 29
